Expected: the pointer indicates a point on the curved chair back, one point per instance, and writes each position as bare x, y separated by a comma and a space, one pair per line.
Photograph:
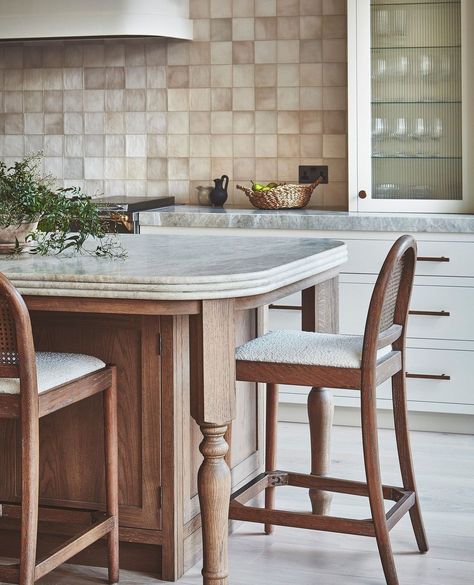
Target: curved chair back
388, 309
17, 353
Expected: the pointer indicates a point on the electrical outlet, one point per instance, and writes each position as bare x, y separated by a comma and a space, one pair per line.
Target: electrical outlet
309, 173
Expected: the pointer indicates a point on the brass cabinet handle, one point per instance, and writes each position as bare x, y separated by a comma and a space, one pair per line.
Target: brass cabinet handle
428, 376
431, 313
285, 307
433, 259
362, 194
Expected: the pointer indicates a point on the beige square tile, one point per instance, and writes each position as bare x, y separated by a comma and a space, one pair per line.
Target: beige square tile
156, 122
178, 168
13, 79
200, 100
94, 54
15, 146
288, 122
200, 145
156, 52
200, 75
311, 122
199, 53
94, 123
177, 52
243, 7
311, 27
53, 145
311, 98
221, 8
52, 78
221, 145
53, 101
157, 145
221, 99
265, 51
221, 122
178, 145
243, 122
335, 122
13, 102
114, 100
13, 55
243, 76
200, 169
266, 145
33, 101
114, 145
288, 75
178, 76
221, 166
54, 166
135, 144
334, 50
156, 77
135, 122
94, 168
265, 98
265, 170
244, 168
311, 74
337, 168
266, 28
243, 29
334, 27
33, 56
288, 98
135, 100
244, 145
288, 51
94, 100
180, 190
200, 122
73, 78
334, 146
265, 75
335, 74
73, 168
335, 98
288, 27
201, 29
311, 145
287, 169
114, 78
199, 9
288, 145
136, 168
33, 143
178, 100
243, 52
221, 53
113, 187
94, 78
72, 123
311, 51
73, 145
311, 7
94, 145
221, 76
156, 99
334, 6
33, 79
135, 53
14, 124
287, 7
221, 29
136, 188
157, 168
114, 123
178, 122
265, 8
135, 77
265, 122
243, 98
114, 54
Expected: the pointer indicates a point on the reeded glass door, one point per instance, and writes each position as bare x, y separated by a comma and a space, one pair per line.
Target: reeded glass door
414, 111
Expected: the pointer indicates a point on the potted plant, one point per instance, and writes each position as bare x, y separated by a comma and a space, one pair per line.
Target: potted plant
41, 218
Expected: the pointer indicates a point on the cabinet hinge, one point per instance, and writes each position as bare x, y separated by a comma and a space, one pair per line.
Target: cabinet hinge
158, 344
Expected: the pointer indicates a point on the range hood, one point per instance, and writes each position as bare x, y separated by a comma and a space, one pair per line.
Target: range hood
53, 19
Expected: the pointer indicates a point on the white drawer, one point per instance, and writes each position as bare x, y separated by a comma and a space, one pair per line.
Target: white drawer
455, 305
367, 256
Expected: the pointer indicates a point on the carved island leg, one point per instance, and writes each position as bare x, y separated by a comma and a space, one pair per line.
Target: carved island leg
212, 337
320, 305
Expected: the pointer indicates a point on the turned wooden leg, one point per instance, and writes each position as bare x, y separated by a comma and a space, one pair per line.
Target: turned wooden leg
405, 457
214, 493
320, 414
271, 429
374, 482
111, 475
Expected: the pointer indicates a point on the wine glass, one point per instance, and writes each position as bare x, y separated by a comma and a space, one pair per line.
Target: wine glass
436, 134
400, 133
382, 23
420, 134
379, 133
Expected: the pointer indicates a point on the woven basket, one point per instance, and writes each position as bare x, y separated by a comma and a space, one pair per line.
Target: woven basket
287, 196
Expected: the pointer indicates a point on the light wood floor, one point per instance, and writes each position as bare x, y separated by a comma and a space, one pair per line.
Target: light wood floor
445, 471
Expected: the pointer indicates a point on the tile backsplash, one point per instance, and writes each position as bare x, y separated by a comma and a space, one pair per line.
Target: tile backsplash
260, 90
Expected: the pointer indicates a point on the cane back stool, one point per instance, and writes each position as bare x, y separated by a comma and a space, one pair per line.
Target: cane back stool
33, 385
352, 362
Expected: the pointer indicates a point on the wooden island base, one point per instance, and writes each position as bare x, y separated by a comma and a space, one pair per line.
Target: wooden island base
158, 440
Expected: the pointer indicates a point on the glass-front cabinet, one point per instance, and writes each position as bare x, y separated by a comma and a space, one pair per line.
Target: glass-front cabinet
411, 105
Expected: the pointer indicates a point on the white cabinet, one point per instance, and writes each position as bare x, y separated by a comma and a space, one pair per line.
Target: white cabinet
411, 118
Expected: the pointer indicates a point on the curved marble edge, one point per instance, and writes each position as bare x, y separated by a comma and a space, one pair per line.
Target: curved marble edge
306, 219
314, 265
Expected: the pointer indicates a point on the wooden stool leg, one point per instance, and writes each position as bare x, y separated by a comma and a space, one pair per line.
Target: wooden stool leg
404, 455
374, 481
111, 475
320, 414
30, 493
271, 430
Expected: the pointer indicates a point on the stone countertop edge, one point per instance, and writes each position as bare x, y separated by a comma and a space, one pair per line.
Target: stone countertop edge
306, 219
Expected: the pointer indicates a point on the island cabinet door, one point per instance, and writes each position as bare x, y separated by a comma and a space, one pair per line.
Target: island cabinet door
72, 458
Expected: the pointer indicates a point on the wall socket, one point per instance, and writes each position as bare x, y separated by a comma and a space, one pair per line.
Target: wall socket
309, 173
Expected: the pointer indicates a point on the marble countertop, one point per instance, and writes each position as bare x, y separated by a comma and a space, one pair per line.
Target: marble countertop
306, 219
178, 267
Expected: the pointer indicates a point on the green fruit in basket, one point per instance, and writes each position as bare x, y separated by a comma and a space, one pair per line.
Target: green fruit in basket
272, 185
257, 186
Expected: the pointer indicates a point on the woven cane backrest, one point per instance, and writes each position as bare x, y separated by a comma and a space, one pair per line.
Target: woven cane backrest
8, 348
391, 296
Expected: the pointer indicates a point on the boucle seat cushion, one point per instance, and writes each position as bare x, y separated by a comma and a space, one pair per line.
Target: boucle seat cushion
54, 369
306, 348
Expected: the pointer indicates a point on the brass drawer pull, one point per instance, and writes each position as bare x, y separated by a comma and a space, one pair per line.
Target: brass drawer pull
285, 307
428, 376
433, 259
431, 313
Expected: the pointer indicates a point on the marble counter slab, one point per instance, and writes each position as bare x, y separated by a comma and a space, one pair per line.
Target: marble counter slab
177, 267
305, 219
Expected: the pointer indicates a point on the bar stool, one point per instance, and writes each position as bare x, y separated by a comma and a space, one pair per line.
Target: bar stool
33, 385
351, 362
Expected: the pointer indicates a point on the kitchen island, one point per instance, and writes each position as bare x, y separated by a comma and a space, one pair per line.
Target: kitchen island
169, 316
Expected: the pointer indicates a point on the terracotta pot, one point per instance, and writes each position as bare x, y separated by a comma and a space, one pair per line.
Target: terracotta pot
11, 233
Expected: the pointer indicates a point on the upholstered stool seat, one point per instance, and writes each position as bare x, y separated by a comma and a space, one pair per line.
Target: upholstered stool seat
54, 369
306, 348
